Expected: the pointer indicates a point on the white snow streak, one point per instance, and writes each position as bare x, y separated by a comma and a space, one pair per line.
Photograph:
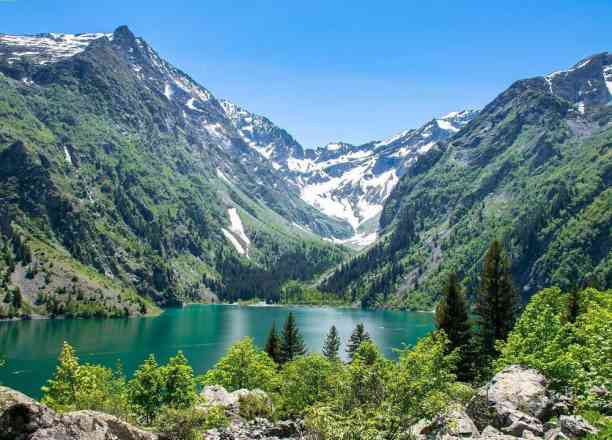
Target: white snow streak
67, 156
236, 234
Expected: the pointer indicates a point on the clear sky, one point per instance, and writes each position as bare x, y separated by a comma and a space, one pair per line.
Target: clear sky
344, 70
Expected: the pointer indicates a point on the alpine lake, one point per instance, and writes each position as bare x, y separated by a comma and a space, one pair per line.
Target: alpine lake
202, 332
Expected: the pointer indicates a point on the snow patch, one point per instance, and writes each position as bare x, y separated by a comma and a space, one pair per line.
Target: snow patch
446, 125
168, 91
236, 231
67, 156
607, 73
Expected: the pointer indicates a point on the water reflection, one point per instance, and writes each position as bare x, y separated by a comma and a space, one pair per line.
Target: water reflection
202, 332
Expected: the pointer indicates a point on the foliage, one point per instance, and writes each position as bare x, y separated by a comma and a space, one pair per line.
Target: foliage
187, 423
574, 355
305, 381
273, 345
292, 343
254, 405
496, 301
358, 336
243, 367
452, 318
146, 389
331, 346
76, 386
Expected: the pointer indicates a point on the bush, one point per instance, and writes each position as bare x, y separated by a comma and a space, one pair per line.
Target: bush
243, 367
573, 355
187, 423
254, 405
305, 381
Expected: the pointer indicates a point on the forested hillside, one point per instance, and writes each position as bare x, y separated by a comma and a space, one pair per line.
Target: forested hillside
534, 170
123, 181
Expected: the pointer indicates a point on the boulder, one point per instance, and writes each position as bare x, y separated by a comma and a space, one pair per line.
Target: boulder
575, 426
215, 395
516, 398
261, 429
455, 424
555, 434
490, 433
22, 418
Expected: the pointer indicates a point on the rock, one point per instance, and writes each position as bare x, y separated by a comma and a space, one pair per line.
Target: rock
216, 395
516, 395
575, 426
554, 434
261, 429
517, 423
22, 418
454, 424
285, 429
490, 433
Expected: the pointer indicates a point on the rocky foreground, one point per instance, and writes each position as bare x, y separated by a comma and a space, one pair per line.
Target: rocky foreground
516, 404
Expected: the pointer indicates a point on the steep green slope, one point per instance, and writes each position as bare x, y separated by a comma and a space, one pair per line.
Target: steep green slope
534, 169
115, 192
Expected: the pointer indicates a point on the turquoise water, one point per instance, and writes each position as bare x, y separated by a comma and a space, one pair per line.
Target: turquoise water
202, 332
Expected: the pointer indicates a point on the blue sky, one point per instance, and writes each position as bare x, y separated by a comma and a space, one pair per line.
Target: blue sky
351, 70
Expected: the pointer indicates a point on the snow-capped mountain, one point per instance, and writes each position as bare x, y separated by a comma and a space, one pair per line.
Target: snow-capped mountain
344, 181
209, 125
587, 84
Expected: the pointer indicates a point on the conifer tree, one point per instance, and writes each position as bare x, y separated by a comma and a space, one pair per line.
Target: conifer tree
452, 317
497, 301
292, 343
273, 345
358, 336
331, 346
573, 306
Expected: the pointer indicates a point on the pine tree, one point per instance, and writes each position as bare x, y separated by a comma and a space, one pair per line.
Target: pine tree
497, 301
452, 317
273, 345
332, 344
358, 336
292, 343
573, 306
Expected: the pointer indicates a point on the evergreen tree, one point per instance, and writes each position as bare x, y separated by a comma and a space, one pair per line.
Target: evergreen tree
17, 298
497, 301
332, 344
358, 336
452, 317
292, 343
573, 306
273, 345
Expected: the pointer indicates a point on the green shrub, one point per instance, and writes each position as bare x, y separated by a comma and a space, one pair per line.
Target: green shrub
243, 367
254, 405
188, 423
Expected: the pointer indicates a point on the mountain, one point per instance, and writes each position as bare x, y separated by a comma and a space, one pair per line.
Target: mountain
123, 181
344, 181
533, 169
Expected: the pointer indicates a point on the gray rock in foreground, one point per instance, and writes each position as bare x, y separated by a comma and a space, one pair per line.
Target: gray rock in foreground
22, 418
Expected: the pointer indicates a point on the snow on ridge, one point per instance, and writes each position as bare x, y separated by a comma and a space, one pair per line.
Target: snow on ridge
236, 234
445, 125
607, 74
51, 47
